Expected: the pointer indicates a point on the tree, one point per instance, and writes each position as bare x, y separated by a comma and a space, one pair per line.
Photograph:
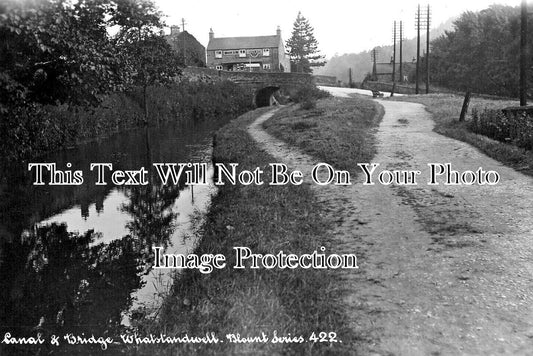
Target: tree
147, 55
303, 47
56, 51
480, 54
59, 51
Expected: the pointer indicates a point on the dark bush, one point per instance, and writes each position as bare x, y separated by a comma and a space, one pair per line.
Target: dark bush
515, 128
309, 92
308, 95
308, 104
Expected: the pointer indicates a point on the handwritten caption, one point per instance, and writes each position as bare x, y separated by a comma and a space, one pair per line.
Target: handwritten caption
135, 339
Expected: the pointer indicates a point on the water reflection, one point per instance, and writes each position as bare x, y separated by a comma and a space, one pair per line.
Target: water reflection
64, 284
78, 259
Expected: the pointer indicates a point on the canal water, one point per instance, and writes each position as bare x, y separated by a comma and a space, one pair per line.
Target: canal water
79, 258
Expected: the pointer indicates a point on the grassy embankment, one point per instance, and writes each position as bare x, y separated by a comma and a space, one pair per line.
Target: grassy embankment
338, 131
446, 109
39, 129
270, 219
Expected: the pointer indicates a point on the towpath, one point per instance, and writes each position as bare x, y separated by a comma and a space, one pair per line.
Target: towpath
443, 270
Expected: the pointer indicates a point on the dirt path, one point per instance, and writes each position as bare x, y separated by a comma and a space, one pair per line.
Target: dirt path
444, 270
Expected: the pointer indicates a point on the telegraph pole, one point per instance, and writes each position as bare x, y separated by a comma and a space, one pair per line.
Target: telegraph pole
394, 61
427, 49
184, 41
420, 26
523, 54
374, 67
417, 91
401, 56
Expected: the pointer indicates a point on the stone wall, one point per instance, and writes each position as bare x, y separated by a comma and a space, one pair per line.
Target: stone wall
326, 80
268, 78
257, 78
205, 75
262, 84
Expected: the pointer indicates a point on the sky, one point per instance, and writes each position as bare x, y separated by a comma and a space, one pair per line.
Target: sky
341, 26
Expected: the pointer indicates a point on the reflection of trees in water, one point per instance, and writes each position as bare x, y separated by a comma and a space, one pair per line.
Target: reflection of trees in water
67, 285
62, 277
60, 282
153, 218
151, 208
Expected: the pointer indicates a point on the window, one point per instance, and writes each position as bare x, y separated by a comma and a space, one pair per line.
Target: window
266, 52
266, 65
218, 54
219, 67
242, 53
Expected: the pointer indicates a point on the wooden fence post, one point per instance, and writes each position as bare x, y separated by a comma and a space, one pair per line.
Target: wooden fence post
464, 110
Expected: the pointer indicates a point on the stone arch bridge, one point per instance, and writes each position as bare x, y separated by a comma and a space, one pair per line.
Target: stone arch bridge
262, 84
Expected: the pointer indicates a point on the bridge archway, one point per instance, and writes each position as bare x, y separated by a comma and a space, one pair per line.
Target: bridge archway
264, 96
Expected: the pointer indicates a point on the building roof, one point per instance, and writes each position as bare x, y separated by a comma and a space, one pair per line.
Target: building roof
244, 42
185, 43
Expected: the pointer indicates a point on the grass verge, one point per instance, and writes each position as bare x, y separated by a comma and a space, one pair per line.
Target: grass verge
267, 220
446, 109
338, 130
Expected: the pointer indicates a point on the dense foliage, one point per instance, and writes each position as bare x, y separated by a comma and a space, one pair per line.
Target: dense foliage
59, 126
148, 56
55, 51
515, 128
60, 52
303, 47
481, 54
76, 69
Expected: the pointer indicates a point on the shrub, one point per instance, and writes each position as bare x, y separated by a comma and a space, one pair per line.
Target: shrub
309, 92
515, 128
308, 104
308, 95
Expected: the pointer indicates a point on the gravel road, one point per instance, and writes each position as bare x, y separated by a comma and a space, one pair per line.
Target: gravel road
443, 269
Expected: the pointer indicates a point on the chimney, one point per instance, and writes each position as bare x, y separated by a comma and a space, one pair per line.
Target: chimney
211, 34
278, 31
174, 30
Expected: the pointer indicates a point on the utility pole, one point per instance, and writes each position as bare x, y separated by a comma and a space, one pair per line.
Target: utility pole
394, 61
184, 41
523, 54
427, 49
350, 77
417, 90
401, 56
420, 26
374, 55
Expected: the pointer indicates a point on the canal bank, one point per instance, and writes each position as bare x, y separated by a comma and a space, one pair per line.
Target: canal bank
248, 302
78, 259
248, 308
38, 129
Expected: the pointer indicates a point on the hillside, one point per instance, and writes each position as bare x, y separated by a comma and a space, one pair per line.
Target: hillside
361, 64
